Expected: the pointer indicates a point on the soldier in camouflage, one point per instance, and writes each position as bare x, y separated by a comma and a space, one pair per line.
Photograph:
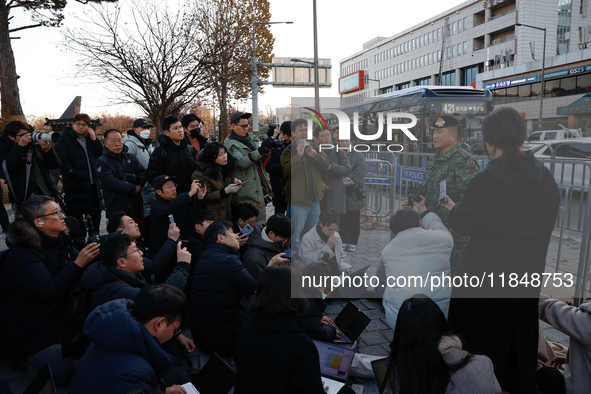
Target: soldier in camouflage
454, 165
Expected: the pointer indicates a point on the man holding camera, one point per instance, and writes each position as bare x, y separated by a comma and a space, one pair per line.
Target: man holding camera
122, 177
250, 161
25, 165
274, 168
454, 165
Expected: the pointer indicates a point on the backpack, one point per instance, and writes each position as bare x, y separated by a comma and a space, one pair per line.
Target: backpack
74, 343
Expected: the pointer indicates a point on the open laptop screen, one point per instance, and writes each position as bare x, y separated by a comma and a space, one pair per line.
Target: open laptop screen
380, 368
352, 321
335, 361
42, 383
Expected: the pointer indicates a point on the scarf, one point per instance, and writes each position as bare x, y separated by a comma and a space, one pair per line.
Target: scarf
245, 140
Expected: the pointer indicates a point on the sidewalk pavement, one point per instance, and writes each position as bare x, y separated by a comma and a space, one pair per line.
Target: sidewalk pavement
375, 340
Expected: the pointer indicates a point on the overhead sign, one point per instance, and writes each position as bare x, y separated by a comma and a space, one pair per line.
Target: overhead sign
512, 82
352, 82
570, 71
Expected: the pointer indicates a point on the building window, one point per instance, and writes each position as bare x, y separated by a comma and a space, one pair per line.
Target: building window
563, 29
460, 26
453, 28
453, 51
465, 24
448, 53
429, 59
438, 34
465, 48
438, 56
459, 49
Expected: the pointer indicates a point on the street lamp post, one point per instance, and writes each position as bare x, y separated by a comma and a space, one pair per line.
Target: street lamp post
543, 69
316, 82
254, 80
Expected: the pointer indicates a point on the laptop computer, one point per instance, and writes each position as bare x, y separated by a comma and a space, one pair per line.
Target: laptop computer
380, 368
335, 365
347, 291
216, 377
42, 383
350, 322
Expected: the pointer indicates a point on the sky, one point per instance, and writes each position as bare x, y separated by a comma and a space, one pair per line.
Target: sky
47, 77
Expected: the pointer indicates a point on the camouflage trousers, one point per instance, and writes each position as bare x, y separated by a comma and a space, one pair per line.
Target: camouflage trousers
460, 243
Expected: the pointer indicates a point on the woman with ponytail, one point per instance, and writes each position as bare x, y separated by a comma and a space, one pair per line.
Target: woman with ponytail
509, 211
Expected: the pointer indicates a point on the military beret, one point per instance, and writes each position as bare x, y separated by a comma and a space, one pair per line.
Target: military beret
446, 121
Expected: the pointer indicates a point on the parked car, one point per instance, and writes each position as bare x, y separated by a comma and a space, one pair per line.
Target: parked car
577, 150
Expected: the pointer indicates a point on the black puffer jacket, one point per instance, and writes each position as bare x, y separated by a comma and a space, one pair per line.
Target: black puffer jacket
215, 310
260, 251
35, 282
310, 321
15, 156
109, 283
119, 175
173, 160
75, 171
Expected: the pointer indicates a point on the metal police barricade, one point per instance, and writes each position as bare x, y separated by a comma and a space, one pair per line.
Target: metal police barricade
573, 178
378, 187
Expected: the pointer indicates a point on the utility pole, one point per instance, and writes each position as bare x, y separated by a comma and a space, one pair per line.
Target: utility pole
444, 34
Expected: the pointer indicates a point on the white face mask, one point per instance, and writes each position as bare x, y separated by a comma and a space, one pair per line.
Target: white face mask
145, 133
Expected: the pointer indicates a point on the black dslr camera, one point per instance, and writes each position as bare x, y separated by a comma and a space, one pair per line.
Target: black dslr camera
271, 132
414, 191
95, 238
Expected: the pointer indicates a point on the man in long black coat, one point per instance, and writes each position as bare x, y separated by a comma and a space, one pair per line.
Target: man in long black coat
122, 177
78, 150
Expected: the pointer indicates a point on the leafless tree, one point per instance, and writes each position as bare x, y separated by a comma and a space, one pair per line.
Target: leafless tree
145, 53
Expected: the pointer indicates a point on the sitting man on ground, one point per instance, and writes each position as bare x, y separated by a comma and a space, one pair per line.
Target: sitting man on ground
126, 337
219, 282
246, 218
267, 240
422, 246
323, 243
36, 279
119, 275
196, 243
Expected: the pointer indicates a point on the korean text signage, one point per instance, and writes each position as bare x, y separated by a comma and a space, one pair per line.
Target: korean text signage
512, 82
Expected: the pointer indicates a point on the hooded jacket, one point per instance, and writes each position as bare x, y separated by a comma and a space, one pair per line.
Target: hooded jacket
215, 310
509, 211
119, 175
250, 170
260, 250
142, 150
35, 281
78, 194
15, 156
173, 160
108, 283
216, 178
123, 355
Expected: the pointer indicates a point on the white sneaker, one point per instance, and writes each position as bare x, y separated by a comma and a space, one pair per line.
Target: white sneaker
344, 247
351, 248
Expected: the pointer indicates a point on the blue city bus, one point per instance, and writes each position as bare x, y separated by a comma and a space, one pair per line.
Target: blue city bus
427, 103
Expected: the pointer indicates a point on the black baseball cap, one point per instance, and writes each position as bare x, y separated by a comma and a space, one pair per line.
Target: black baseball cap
446, 121
143, 123
236, 116
161, 180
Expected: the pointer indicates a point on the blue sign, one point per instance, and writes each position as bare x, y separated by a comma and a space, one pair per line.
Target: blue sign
376, 181
413, 175
374, 169
572, 71
512, 82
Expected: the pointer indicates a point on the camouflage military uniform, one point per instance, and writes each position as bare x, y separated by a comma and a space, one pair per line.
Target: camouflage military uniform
457, 167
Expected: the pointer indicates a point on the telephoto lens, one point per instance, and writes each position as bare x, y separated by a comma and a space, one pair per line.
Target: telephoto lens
47, 137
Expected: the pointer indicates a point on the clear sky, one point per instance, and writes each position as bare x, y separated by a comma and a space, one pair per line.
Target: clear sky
48, 83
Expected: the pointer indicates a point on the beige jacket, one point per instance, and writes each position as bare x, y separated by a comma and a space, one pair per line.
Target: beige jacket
312, 248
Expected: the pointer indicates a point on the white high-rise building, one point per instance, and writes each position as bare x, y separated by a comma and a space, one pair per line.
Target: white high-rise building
482, 44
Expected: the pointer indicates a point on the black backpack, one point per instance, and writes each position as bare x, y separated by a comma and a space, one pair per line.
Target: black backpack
74, 343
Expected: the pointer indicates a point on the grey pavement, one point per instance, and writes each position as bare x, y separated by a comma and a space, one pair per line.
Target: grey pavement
375, 340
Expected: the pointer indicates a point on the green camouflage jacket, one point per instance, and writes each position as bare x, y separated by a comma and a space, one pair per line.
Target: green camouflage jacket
457, 167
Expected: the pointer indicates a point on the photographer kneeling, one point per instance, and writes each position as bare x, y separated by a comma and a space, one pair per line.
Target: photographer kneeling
35, 282
25, 164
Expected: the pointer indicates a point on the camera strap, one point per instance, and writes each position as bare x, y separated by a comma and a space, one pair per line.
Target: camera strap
29, 161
